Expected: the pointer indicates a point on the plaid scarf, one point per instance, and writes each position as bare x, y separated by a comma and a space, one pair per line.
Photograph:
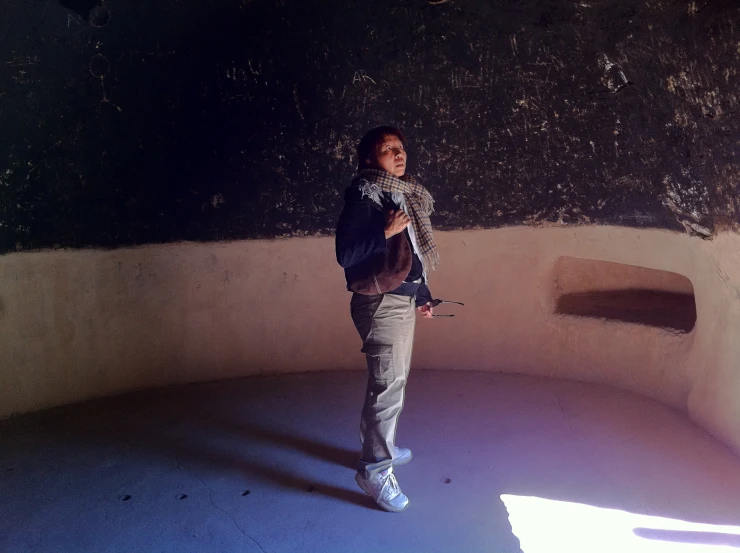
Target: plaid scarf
419, 203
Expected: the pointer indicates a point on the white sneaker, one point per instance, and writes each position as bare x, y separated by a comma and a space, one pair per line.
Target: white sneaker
401, 456
384, 489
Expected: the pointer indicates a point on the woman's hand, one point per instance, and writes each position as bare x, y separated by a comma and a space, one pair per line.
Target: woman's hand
427, 311
396, 222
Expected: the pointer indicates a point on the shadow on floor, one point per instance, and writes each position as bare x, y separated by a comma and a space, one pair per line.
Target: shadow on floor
199, 434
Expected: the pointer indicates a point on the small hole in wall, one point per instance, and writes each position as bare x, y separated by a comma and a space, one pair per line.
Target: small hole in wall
625, 293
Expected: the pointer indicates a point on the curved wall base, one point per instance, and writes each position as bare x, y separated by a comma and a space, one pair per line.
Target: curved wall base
82, 324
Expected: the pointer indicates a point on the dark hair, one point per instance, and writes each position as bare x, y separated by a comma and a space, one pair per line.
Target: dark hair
366, 147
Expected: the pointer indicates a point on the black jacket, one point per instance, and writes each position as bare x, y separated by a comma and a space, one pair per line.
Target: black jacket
361, 234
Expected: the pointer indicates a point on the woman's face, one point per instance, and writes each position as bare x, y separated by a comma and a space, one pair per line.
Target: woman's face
390, 155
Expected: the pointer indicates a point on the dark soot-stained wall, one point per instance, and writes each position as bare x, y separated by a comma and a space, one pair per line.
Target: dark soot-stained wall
132, 121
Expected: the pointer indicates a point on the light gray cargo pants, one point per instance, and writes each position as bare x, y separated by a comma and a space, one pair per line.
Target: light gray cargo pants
386, 325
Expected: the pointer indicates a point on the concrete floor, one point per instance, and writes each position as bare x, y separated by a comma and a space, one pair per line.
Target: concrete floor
266, 465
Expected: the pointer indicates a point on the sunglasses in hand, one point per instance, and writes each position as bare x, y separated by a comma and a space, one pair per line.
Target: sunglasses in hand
435, 303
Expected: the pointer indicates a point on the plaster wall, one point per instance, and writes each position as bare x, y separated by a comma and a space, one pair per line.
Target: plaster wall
87, 323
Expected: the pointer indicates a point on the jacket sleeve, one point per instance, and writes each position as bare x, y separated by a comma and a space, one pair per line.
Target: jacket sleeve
360, 232
423, 295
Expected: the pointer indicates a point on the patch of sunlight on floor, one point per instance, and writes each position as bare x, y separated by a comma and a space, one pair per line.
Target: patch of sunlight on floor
549, 526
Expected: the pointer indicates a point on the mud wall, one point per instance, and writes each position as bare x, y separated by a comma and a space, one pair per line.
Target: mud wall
81, 324
148, 122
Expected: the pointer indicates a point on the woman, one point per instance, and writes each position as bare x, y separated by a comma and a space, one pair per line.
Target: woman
381, 203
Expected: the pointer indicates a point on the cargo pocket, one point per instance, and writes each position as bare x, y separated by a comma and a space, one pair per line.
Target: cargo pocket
380, 363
